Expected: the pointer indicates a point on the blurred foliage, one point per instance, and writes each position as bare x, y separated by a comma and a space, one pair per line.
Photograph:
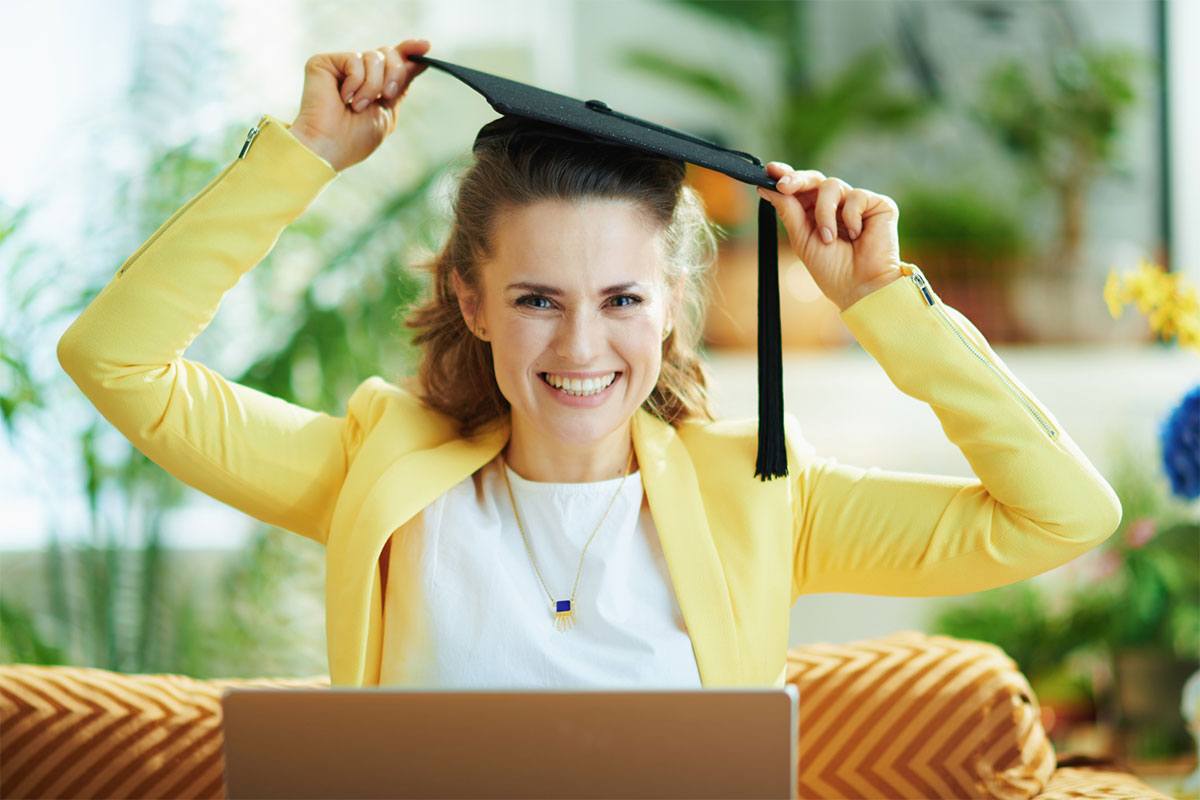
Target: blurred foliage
807, 118
1017, 618
1061, 120
116, 596
1153, 597
1058, 116
958, 233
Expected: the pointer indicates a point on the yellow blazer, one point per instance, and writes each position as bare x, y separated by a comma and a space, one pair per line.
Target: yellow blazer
739, 551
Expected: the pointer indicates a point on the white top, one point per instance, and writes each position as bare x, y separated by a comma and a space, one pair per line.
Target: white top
464, 608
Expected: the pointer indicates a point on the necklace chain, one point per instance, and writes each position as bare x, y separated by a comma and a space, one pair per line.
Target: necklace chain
566, 616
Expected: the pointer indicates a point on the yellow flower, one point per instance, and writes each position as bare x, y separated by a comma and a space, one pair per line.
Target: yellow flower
1189, 333
1171, 308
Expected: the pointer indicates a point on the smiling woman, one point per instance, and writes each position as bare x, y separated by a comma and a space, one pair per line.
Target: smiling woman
561, 404
577, 261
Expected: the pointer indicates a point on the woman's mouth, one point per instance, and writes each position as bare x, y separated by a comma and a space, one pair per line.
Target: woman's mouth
580, 392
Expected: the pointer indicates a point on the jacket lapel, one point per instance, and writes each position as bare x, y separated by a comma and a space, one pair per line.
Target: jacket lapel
697, 576
403, 488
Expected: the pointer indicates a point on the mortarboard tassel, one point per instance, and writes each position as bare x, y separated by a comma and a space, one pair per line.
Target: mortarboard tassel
772, 450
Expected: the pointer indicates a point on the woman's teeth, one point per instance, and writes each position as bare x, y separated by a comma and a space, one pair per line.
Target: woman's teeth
579, 387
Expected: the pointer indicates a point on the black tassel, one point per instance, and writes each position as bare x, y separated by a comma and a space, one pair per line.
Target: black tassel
772, 449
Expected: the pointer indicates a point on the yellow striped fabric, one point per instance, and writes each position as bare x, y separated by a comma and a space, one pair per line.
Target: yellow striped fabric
80, 732
912, 715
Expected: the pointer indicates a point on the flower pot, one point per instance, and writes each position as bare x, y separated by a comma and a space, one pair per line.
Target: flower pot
979, 288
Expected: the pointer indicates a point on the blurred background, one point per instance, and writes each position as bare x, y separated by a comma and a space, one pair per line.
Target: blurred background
1043, 155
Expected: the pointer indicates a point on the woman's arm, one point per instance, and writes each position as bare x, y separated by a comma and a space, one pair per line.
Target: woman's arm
276, 461
1038, 501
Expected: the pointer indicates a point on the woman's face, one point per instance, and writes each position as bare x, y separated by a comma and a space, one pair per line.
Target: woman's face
574, 292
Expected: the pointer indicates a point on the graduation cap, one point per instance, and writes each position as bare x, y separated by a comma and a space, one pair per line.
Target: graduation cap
558, 115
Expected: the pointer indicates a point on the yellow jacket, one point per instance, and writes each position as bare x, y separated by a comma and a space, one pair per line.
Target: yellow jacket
739, 551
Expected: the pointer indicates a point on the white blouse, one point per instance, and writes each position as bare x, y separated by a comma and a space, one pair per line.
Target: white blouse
464, 608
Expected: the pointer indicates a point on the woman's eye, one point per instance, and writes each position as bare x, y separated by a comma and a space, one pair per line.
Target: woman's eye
528, 299
632, 298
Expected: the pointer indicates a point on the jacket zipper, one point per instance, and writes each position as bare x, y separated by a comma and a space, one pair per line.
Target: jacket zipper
258, 126
918, 279
163, 228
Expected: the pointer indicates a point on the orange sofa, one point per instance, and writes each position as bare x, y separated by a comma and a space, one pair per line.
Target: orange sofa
908, 715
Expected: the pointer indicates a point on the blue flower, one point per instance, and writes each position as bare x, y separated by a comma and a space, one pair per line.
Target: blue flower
1180, 439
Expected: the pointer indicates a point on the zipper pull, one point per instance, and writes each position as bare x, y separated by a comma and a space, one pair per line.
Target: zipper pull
251, 134
918, 277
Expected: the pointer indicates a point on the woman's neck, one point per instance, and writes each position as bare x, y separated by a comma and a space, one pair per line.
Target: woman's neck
536, 458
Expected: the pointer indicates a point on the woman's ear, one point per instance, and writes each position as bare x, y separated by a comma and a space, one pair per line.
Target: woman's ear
468, 304
673, 307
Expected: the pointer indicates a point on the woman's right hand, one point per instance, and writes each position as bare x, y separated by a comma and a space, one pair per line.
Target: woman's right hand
349, 102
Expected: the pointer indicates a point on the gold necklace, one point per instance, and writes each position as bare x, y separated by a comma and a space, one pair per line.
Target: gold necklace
564, 610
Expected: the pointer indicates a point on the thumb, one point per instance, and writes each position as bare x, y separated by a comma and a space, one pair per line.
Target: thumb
790, 213
412, 69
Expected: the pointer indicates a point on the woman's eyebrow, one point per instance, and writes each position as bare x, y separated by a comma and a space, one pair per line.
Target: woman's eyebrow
553, 291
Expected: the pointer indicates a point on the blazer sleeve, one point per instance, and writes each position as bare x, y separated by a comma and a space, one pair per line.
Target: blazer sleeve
274, 460
1037, 501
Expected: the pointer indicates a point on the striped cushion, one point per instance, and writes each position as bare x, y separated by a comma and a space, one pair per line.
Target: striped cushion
920, 716
81, 732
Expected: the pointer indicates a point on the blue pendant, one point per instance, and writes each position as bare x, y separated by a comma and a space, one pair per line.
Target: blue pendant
564, 615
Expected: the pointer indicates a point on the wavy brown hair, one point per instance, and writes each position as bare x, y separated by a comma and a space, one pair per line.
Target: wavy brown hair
456, 374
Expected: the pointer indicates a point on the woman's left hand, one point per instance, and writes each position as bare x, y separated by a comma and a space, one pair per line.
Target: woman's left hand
863, 253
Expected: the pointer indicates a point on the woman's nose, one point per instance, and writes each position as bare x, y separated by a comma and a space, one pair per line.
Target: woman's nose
578, 338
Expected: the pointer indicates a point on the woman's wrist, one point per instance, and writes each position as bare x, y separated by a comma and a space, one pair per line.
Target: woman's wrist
865, 289
318, 145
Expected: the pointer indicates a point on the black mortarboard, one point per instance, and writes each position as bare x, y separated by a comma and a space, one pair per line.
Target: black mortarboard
594, 119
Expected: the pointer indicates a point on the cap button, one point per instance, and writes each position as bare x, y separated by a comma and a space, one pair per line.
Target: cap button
598, 105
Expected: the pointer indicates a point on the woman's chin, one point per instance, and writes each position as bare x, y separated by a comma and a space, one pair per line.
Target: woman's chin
575, 424
569, 424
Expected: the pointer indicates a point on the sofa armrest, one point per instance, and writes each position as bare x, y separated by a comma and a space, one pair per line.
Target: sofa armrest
85, 732
913, 715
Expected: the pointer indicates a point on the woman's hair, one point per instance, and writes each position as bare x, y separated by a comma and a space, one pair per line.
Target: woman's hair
456, 375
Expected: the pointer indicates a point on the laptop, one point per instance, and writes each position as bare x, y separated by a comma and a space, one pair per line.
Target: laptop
382, 742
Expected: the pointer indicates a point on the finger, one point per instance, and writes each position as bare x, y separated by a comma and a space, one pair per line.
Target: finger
409, 69
829, 197
791, 213
373, 84
800, 183
393, 72
881, 205
856, 202
777, 169
411, 47
350, 65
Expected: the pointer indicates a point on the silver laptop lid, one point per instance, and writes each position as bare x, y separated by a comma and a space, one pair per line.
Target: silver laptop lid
404, 743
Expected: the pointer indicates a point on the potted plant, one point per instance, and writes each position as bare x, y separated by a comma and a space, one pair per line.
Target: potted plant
1062, 127
971, 246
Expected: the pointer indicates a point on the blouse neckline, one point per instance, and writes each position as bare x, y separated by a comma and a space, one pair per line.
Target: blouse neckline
553, 487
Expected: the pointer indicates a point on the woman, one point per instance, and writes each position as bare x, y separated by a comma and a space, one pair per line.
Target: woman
560, 403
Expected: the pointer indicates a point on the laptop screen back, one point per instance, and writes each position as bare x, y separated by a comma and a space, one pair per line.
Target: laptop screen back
406, 743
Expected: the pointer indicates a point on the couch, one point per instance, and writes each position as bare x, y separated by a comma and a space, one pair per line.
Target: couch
909, 715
